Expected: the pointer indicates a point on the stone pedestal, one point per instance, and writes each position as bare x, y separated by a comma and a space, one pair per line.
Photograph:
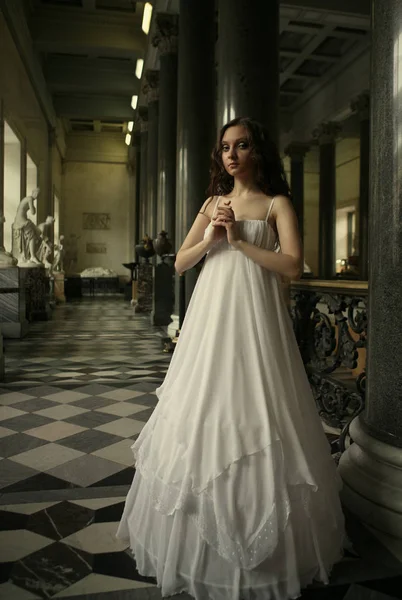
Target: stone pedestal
163, 300
13, 321
372, 467
145, 288
59, 294
37, 294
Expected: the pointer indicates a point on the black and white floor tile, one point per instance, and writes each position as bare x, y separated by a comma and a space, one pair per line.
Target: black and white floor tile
78, 391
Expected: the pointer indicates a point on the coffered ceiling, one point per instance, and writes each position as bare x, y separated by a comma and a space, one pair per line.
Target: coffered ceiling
88, 51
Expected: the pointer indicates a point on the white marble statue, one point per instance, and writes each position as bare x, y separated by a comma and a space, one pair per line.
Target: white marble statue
26, 235
44, 251
98, 272
58, 260
6, 259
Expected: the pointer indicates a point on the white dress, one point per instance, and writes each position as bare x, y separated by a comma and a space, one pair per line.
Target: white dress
236, 495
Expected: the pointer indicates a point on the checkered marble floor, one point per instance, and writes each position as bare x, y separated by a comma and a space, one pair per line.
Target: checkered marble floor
78, 391
85, 342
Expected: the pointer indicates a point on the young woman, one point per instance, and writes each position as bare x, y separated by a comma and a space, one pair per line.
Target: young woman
236, 494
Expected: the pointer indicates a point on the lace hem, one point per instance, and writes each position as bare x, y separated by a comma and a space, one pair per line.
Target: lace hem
198, 589
242, 548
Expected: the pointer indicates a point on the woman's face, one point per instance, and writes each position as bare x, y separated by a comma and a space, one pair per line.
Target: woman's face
236, 151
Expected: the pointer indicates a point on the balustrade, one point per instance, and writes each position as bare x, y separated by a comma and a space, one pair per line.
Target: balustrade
330, 323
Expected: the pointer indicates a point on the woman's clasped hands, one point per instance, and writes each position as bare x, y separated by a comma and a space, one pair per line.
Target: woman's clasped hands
225, 218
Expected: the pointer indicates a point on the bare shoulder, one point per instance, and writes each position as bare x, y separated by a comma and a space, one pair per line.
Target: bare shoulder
282, 204
208, 207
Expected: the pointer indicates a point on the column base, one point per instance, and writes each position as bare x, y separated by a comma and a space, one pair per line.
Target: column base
372, 475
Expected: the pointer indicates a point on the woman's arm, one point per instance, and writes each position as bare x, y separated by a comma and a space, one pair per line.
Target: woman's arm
195, 246
288, 262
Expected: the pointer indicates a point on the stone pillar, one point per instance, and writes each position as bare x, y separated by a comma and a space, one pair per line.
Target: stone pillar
143, 219
151, 89
248, 62
6, 260
326, 136
136, 143
297, 151
195, 116
361, 105
372, 467
23, 169
165, 40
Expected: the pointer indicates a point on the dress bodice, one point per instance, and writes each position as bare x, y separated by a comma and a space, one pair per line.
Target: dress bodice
257, 232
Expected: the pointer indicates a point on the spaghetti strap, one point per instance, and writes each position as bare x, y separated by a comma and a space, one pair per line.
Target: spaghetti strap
216, 206
269, 209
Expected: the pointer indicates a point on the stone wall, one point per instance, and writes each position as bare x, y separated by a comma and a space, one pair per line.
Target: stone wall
97, 203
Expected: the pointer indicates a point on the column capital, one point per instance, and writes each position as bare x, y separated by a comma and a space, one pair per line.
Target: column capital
297, 150
361, 106
166, 35
326, 133
151, 86
142, 120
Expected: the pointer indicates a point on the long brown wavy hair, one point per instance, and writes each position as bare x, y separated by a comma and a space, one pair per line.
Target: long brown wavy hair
269, 171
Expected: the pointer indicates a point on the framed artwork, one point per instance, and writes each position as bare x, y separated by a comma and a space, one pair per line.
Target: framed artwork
96, 248
96, 221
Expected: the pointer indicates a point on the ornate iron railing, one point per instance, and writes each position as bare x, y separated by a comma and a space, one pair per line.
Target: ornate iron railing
330, 323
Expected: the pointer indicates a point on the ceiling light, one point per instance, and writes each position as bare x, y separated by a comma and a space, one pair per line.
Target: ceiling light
134, 101
130, 125
128, 139
146, 17
139, 67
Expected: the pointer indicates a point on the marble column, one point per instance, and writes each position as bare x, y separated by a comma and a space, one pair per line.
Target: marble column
50, 187
297, 151
143, 218
372, 467
195, 116
23, 169
326, 135
136, 143
248, 62
165, 39
151, 89
361, 105
6, 260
